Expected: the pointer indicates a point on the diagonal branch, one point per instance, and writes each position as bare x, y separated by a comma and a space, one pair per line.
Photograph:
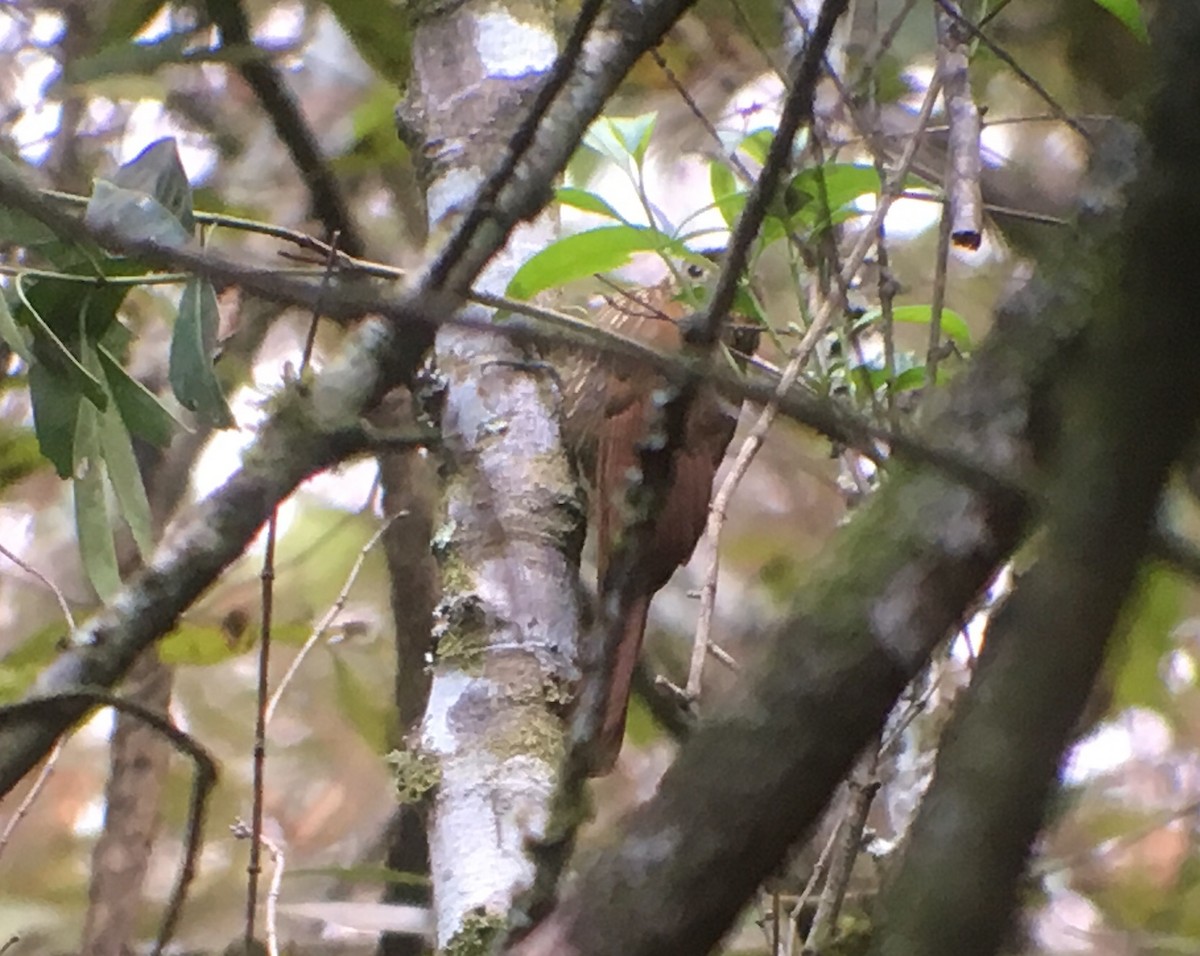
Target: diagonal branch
328, 201
318, 427
1046, 646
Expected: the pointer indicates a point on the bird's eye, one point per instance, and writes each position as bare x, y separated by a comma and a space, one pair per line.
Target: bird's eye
695, 270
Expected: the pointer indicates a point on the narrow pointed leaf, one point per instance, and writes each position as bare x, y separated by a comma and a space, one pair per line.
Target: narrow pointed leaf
11, 333
124, 475
59, 360
586, 253
126, 19
92, 526
1130, 14
55, 414
358, 705
727, 197
588, 202
192, 345
132, 214
158, 172
142, 411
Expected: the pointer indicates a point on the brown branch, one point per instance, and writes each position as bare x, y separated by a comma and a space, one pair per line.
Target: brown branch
328, 200
78, 700
963, 164
958, 886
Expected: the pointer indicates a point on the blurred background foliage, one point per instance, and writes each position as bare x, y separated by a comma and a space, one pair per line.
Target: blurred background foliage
87, 84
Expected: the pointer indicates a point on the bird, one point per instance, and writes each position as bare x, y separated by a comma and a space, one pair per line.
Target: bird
607, 408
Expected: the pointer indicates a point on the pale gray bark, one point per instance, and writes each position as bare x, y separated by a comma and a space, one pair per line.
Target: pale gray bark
507, 628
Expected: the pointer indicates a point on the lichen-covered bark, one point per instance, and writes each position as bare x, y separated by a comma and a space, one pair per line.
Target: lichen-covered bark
506, 629
1124, 428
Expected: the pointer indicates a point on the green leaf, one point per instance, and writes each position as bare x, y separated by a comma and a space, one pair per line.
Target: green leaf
588, 202
1135, 663
74, 308
357, 704
136, 215
1130, 14
953, 324
122, 60
757, 144
121, 465
158, 172
59, 361
586, 253
12, 334
906, 381
20, 229
382, 34
200, 645
727, 197
55, 412
126, 480
843, 184
21, 666
19, 455
141, 410
127, 19
193, 343
92, 526
621, 138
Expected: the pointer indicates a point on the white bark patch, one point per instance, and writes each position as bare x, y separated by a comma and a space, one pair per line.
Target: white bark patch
961, 528
454, 190
508, 47
437, 734
896, 615
485, 810
550, 620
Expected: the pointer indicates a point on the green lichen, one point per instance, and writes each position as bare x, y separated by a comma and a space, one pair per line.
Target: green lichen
443, 538
478, 932
557, 692
460, 635
456, 575
416, 773
530, 731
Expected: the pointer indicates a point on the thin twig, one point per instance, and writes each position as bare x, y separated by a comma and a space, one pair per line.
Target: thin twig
294, 131
730, 156
50, 585
264, 656
754, 441
52, 759
797, 108
814, 878
329, 617
937, 302
203, 780
849, 832
311, 338
35, 791
964, 196
242, 831
1005, 57
254, 867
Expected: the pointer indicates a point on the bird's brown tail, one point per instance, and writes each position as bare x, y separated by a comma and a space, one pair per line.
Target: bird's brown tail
612, 727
